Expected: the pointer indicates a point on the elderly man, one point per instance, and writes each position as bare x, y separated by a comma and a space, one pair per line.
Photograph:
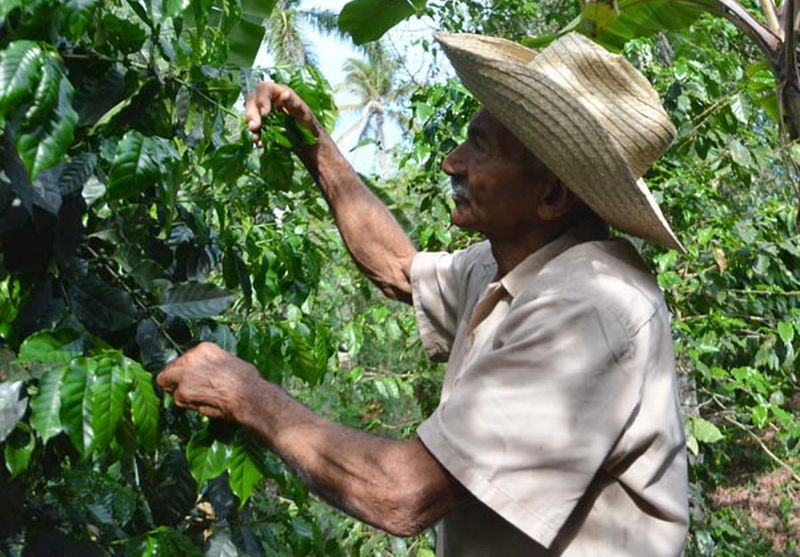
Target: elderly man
559, 430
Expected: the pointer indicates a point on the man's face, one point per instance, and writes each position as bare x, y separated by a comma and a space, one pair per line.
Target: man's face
494, 180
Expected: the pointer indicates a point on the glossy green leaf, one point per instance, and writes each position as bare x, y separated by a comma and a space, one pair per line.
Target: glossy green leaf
207, 456
55, 346
46, 404
12, 408
245, 465
304, 361
20, 66
636, 18
18, 449
639, 18
49, 125
368, 20
193, 300
109, 391
101, 305
79, 15
144, 405
76, 410
138, 164
76, 173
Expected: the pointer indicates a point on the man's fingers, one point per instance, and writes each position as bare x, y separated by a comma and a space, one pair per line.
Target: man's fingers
168, 379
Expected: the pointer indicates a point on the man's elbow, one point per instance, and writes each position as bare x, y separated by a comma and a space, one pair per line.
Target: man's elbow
405, 524
411, 514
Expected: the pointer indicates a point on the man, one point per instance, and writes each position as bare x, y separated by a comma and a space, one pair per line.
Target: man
559, 430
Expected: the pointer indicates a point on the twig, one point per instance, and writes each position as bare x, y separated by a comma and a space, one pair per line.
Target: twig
764, 447
716, 398
765, 292
136, 299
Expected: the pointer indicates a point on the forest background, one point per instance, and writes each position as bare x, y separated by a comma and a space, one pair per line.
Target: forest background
136, 219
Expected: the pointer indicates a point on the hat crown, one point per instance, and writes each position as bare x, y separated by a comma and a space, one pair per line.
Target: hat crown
627, 108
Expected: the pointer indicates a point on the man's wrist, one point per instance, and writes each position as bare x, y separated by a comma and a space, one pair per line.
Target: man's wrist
257, 405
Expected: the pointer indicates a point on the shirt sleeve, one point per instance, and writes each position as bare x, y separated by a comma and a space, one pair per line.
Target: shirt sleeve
442, 284
531, 420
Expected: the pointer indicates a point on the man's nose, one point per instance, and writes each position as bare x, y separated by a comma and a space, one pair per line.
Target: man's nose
453, 164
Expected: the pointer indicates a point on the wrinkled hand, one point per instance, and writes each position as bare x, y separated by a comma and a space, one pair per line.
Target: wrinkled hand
273, 95
210, 380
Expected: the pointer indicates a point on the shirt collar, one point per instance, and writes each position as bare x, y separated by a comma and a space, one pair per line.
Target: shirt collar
519, 277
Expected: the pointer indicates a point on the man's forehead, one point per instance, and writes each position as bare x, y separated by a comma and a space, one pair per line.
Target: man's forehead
484, 125
483, 122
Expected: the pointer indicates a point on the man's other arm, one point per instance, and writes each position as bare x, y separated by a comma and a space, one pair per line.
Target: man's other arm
397, 486
378, 244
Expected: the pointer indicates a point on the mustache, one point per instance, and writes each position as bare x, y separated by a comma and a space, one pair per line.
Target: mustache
458, 187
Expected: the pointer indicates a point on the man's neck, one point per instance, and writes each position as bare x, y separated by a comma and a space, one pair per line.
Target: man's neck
508, 253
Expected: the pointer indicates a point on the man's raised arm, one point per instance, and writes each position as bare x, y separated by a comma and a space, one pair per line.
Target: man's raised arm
379, 246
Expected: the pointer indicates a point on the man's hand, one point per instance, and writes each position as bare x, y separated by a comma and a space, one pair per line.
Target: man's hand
272, 95
210, 380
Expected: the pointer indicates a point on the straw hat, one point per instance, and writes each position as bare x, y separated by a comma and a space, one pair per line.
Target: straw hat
587, 114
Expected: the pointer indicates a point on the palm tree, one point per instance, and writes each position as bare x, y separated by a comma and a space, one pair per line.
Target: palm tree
285, 37
372, 80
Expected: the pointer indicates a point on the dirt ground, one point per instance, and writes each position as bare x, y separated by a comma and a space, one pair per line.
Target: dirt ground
772, 501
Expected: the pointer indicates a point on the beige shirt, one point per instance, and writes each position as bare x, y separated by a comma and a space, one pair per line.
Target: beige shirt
559, 409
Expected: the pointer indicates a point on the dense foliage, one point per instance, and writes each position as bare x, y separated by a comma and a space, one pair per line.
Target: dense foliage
137, 219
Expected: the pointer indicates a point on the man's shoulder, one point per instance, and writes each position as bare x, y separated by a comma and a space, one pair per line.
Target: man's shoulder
608, 273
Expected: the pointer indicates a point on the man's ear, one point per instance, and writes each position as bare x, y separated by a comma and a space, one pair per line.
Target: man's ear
556, 201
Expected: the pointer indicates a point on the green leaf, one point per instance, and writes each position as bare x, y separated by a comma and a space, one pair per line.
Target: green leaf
596, 15
124, 34
207, 457
247, 34
49, 125
101, 305
18, 449
55, 346
7, 6
109, 391
368, 20
76, 416
20, 66
303, 360
704, 431
637, 18
139, 163
11, 407
76, 173
46, 404
193, 300
79, 15
786, 332
691, 444
740, 154
144, 405
245, 465
167, 542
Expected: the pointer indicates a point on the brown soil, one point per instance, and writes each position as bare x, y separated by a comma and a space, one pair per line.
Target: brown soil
772, 501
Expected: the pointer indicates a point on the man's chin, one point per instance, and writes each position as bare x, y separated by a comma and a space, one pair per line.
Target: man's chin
460, 218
